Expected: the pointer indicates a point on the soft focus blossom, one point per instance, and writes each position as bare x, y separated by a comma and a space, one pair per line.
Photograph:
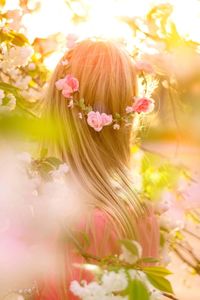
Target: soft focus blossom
22, 82
60, 172
67, 91
172, 220
97, 120
24, 157
2, 95
33, 95
19, 56
106, 119
26, 200
15, 17
68, 85
114, 282
32, 66
12, 102
129, 109
111, 283
143, 105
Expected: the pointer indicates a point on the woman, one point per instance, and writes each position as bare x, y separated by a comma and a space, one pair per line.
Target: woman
90, 103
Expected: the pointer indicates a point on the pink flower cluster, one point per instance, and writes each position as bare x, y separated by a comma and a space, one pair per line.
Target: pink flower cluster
68, 85
98, 120
142, 105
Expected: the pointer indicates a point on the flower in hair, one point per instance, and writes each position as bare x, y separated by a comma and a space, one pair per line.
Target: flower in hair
145, 105
95, 119
141, 105
98, 120
143, 66
68, 85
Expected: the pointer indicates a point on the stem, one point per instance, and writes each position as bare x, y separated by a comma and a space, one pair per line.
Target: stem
170, 296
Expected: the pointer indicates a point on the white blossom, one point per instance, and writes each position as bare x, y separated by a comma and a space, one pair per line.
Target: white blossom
24, 157
20, 55
2, 94
12, 102
23, 82
93, 291
171, 223
60, 172
31, 66
114, 282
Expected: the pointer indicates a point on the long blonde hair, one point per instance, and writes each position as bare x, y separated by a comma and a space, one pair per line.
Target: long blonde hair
99, 161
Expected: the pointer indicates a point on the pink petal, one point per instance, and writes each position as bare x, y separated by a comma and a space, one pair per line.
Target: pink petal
106, 119
60, 84
129, 109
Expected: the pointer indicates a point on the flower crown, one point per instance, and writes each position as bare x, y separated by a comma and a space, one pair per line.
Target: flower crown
69, 85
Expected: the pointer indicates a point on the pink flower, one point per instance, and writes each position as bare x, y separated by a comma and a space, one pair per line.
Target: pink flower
97, 120
60, 84
67, 91
143, 66
129, 109
68, 85
72, 82
144, 105
106, 119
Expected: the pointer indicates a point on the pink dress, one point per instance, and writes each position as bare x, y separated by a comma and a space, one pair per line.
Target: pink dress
103, 241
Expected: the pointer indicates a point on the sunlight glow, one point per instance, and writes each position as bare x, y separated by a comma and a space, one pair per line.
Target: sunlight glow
186, 16
52, 18
103, 19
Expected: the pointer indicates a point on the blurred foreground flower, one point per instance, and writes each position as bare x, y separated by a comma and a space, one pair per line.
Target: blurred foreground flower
32, 212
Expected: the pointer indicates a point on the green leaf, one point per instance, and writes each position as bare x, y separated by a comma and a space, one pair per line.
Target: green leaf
160, 283
82, 103
117, 116
53, 161
157, 271
149, 260
130, 246
138, 291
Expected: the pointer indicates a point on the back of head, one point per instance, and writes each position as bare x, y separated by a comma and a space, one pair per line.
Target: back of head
99, 161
